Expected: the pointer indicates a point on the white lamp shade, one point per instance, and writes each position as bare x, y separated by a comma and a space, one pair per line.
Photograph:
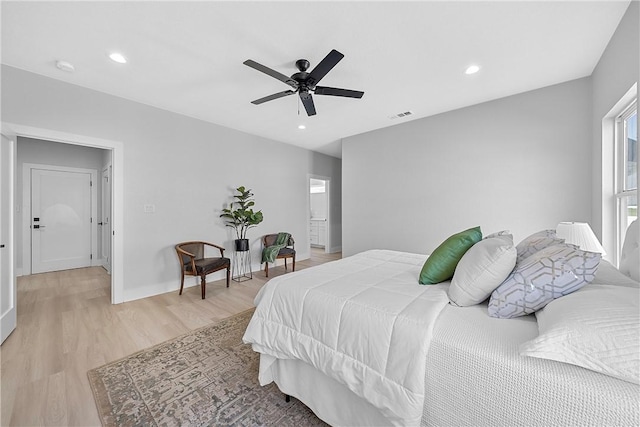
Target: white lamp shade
581, 235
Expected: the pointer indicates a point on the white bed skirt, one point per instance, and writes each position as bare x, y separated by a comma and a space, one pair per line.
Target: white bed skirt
331, 401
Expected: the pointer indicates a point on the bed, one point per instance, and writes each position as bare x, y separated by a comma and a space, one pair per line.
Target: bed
361, 343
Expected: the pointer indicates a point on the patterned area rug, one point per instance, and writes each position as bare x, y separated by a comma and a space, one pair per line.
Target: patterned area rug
205, 378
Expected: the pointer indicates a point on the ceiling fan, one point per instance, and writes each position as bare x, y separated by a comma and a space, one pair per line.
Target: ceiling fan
304, 83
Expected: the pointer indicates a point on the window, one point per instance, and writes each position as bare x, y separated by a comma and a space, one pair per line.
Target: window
627, 169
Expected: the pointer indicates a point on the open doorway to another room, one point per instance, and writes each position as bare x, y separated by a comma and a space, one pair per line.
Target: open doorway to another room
319, 215
63, 206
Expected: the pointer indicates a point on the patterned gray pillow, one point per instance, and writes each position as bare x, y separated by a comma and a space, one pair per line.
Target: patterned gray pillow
544, 276
536, 242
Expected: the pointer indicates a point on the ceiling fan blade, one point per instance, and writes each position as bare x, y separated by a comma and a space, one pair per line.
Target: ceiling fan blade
274, 96
334, 91
324, 67
273, 73
307, 101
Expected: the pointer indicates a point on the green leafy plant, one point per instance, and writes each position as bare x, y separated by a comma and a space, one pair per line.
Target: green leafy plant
240, 215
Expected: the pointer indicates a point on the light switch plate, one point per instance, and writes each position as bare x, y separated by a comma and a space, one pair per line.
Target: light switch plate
149, 208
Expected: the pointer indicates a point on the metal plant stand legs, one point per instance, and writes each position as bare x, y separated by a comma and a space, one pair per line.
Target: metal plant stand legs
242, 266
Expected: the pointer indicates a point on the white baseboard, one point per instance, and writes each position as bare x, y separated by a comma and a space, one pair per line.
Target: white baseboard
335, 249
155, 289
18, 272
170, 286
174, 285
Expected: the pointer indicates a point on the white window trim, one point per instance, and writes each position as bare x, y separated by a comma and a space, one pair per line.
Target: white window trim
621, 146
620, 172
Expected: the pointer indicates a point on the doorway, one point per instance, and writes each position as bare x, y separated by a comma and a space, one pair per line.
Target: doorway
319, 214
114, 150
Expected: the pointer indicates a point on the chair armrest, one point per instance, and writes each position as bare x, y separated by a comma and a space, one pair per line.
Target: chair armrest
292, 242
190, 255
216, 246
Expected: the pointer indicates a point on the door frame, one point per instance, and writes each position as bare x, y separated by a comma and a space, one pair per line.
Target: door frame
105, 196
117, 191
327, 180
27, 239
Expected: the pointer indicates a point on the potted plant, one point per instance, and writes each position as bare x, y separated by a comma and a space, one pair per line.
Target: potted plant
241, 217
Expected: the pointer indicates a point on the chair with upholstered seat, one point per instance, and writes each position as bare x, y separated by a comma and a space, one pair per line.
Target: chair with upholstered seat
284, 253
194, 262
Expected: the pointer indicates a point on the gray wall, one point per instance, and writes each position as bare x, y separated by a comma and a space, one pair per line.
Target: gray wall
520, 163
187, 168
614, 75
54, 154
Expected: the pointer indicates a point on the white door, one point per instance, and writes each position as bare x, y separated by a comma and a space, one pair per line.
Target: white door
106, 218
60, 220
7, 277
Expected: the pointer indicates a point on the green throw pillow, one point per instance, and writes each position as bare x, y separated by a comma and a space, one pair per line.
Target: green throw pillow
442, 262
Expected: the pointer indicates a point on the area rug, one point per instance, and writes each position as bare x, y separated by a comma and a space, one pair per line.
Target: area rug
205, 378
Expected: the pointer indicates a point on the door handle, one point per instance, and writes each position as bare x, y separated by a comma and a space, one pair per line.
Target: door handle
1, 246
99, 223
39, 226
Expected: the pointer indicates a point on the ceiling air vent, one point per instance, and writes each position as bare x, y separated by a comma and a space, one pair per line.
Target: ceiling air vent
406, 113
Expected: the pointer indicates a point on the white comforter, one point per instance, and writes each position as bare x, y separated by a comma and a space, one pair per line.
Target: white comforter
363, 320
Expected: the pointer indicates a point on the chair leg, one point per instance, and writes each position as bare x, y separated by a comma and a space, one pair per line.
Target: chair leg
285, 264
266, 269
228, 275
203, 285
181, 282
294, 263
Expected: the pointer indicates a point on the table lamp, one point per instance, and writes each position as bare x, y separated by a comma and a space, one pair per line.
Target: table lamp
580, 234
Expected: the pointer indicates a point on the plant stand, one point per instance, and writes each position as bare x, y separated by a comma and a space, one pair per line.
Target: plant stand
242, 266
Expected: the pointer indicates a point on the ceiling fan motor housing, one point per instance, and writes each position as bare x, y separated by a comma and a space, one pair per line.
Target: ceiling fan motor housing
300, 77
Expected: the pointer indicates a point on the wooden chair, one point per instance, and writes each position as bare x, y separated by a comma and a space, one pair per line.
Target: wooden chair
193, 262
284, 253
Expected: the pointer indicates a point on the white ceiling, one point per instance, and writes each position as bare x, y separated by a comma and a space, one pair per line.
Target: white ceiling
186, 57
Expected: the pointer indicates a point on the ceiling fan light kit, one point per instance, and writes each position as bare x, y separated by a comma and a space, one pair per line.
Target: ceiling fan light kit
304, 83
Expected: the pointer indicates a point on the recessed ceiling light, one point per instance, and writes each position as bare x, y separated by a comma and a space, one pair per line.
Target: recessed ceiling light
472, 69
302, 127
118, 57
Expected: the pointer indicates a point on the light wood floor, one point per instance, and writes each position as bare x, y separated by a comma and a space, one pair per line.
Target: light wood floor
67, 326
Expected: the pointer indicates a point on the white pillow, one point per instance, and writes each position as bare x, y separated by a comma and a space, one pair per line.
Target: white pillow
499, 233
481, 269
630, 256
597, 328
536, 242
544, 276
609, 275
